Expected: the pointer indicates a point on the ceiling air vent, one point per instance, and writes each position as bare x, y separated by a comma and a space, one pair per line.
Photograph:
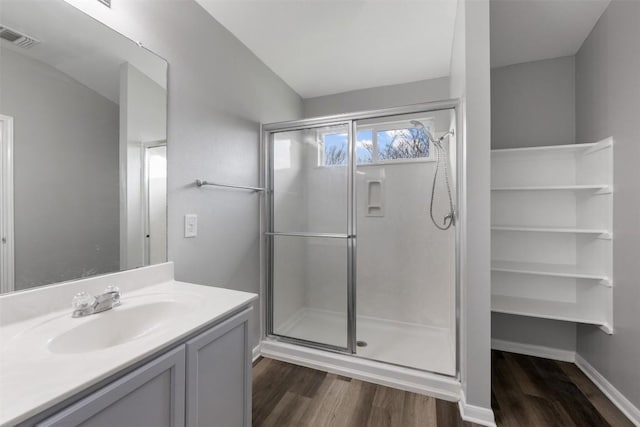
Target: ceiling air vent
17, 38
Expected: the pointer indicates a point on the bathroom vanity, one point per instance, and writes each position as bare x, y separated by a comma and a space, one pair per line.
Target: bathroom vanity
171, 354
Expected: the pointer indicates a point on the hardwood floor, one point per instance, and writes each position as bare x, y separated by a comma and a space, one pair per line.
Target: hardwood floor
531, 391
288, 395
526, 391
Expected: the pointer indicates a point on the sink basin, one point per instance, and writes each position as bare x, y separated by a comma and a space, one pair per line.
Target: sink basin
117, 326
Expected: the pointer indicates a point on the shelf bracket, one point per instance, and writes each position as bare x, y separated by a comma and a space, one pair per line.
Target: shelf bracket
600, 145
606, 282
608, 329
607, 235
606, 190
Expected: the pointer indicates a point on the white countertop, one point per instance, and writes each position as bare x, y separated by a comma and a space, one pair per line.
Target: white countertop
35, 375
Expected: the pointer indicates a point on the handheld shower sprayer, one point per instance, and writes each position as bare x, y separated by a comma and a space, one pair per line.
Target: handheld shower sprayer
420, 126
442, 157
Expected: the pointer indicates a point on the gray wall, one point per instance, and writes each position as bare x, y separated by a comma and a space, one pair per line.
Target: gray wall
554, 334
218, 92
533, 104
65, 173
470, 82
608, 104
378, 97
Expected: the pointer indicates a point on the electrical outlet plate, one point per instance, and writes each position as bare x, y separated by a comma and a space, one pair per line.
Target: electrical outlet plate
190, 225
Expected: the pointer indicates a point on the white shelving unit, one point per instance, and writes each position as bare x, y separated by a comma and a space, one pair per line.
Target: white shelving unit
601, 188
601, 232
552, 270
552, 232
566, 311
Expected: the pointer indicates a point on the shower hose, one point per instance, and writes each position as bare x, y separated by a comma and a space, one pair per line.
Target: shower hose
442, 158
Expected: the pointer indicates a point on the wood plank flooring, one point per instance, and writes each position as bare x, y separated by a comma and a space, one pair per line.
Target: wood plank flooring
288, 395
531, 391
526, 391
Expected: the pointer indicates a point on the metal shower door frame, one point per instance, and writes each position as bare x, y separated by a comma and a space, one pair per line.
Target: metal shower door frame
268, 232
267, 209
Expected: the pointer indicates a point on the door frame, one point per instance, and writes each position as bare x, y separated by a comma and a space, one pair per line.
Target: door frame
144, 194
7, 283
266, 216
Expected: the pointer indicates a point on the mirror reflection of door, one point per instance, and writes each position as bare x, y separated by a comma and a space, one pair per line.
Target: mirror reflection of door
155, 202
6, 204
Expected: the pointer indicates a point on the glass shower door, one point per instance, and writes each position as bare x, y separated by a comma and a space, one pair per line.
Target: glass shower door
308, 232
406, 260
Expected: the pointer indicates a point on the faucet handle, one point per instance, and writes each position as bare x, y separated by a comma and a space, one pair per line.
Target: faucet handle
116, 293
82, 300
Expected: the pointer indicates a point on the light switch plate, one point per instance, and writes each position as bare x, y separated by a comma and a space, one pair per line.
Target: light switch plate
190, 225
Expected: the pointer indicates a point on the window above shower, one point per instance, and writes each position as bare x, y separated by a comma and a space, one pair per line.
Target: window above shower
380, 144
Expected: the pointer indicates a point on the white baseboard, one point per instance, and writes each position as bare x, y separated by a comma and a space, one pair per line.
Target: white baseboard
617, 398
256, 352
534, 350
475, 414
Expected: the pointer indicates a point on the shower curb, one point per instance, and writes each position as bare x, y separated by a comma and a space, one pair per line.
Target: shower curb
435, 385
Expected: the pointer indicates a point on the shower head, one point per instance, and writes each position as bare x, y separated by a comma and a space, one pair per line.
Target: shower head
420, 126
416, 124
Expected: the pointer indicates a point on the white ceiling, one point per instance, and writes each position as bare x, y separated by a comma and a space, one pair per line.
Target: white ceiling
531, 30
78, 45
320, 47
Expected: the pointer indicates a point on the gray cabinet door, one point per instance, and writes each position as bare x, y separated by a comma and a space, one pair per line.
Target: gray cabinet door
219, 375
151, 396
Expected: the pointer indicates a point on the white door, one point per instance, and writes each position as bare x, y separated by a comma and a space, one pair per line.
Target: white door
155, 202
6, 204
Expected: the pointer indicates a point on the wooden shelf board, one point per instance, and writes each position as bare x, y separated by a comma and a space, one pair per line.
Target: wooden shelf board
530, 307
553, 229
597, 187
553, 270
555, 148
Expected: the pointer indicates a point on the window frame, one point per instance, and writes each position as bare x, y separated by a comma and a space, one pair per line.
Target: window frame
375, 160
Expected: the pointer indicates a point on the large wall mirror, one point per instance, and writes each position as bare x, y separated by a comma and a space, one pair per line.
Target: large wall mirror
83, 113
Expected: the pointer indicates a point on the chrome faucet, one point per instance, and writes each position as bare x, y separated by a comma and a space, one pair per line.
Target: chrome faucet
85, 304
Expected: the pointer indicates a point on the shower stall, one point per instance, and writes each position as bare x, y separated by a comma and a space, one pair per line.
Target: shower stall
361, 244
